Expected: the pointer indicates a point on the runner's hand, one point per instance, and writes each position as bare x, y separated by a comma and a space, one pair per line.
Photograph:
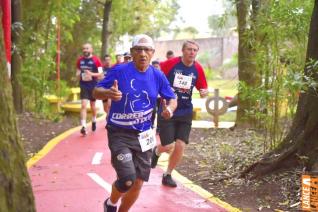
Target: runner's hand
114, 93
203, 92
87, 72
166, 111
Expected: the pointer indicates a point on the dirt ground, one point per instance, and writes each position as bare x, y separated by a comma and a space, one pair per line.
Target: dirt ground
213, 159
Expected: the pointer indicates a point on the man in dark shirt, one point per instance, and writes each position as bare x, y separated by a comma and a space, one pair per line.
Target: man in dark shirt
89, 70
183, 73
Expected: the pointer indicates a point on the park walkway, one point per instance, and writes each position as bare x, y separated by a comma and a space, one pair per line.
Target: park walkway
73, 173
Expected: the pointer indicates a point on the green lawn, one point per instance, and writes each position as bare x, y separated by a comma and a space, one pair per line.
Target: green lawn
229, 116
226, 87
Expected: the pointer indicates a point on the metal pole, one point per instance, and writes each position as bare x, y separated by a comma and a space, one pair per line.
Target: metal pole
58, 56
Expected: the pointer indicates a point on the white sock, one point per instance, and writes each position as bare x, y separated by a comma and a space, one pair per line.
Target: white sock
167, 173
83, 123
109, 202
94, 119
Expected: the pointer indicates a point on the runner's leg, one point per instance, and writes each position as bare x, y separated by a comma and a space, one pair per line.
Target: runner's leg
83, 112
130, 197
176, 155
115, 195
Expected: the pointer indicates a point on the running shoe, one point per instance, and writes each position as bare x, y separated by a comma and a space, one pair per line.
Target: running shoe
109, 208
168, 181
83, 131
93, 126
154, 158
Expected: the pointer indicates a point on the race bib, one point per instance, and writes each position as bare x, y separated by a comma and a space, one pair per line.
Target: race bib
86, 77
147, 140
182, 81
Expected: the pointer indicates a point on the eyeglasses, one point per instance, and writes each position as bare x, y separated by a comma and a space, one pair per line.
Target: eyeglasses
140, 49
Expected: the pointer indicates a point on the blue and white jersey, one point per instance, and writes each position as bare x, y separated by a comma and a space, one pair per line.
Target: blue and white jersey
140, 91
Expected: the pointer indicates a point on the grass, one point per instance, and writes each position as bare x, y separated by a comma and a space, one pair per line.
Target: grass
226, 88
229, 116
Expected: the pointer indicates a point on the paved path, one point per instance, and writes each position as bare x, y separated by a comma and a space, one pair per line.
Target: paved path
73, 173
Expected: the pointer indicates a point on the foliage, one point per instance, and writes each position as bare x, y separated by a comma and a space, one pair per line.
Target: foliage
231, 63
126, 18
224, 24
80, 22
39, 46
278, 37
204, 58
133, 17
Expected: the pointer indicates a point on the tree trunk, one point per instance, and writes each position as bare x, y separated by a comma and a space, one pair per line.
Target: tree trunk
16, 57
300, 147
247, 72
15, 190
105, 32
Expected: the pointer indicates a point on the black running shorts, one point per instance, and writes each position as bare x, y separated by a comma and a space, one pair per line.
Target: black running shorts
126, 155
87, 93
178, 127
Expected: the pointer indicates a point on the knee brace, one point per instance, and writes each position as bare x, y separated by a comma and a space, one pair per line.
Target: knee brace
125, 183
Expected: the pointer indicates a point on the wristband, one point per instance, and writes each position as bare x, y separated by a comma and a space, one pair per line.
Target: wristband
170, 111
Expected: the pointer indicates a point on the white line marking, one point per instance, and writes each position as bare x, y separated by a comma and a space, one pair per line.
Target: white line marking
100, 181
97, 158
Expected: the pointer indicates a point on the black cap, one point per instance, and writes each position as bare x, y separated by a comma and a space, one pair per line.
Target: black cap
127, 54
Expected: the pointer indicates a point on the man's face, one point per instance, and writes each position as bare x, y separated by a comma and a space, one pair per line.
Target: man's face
190, 52
119, 58
107, 62
157, 66
87, 50
127, 59
142, 56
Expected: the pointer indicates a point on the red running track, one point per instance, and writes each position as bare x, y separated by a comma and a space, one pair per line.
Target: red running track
66, 179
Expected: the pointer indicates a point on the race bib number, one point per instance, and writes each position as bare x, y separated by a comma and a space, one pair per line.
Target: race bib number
182, 81
86, 77
147, 140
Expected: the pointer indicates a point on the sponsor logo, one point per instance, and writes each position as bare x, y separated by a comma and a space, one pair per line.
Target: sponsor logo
124, 157
309, 192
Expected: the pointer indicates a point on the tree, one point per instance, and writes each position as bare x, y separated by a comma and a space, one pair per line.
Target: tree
15, 191
192, 31
300, 146
248, 74
16, 57
105, 30
223, 24
114, 20
38, 47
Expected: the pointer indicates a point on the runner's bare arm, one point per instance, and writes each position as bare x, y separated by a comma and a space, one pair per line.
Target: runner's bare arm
100, 72
168, 110
78, 73
112, 93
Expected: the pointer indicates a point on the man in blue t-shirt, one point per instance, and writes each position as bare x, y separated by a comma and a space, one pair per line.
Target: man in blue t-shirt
133, 88
89, 70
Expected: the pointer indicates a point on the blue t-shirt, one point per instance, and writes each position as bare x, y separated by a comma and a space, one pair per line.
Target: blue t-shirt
140, 91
